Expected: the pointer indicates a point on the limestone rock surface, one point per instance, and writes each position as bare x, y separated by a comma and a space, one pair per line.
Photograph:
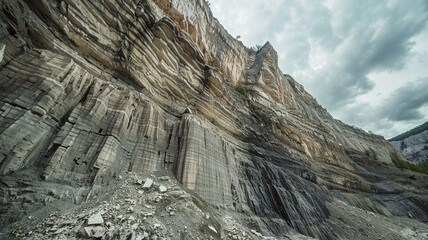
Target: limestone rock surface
414, 148
91, 91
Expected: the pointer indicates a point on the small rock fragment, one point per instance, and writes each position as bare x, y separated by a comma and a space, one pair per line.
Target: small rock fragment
95, 219
212, 228
162, 189
134, 226
59, 231
139, 237
164, 178
95, 232
131, 209
188, 110
256, 233
148, 183
139, 182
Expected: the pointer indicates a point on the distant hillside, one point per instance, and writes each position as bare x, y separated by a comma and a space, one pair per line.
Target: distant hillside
413, 144
409, 133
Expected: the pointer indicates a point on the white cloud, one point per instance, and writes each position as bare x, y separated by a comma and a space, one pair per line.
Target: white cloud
349, 54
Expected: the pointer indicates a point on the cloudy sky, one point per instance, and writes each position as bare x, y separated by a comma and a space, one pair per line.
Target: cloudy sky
365, 61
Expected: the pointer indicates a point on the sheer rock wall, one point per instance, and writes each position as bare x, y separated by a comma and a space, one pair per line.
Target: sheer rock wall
414, 148
92, 89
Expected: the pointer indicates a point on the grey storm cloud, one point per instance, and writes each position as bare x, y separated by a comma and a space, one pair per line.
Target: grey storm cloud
333, 47
406, 102
379, 40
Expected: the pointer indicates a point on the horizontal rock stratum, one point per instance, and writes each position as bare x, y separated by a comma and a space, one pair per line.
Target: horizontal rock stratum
92, 91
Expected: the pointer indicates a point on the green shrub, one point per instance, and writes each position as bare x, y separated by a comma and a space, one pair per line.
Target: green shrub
421, 167
242, 90
371, 152
374, 153
367, 152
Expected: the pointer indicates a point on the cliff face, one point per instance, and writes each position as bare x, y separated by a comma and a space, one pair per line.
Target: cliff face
91, 90
414, 148
413, 144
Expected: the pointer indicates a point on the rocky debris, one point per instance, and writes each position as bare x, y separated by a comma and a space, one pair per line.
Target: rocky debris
124, 213
169, 219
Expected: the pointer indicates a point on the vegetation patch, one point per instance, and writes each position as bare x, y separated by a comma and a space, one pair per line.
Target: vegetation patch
421, 167
409, 133
367, 152
374, 153
371, 153
242, 90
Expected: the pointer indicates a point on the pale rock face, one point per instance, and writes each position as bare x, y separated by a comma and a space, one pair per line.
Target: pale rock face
414, 148
93, 90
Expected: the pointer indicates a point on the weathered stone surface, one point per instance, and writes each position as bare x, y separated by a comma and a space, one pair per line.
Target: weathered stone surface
414, 148
91, 91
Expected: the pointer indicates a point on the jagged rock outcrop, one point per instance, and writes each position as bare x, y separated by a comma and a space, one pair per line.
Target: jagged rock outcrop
91, 90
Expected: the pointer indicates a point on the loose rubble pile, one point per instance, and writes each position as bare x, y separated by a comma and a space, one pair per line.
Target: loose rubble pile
157, 206
138, 207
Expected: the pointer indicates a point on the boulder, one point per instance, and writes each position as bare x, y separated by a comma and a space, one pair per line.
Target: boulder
94, 231
148, 184
162, 189
95, 219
